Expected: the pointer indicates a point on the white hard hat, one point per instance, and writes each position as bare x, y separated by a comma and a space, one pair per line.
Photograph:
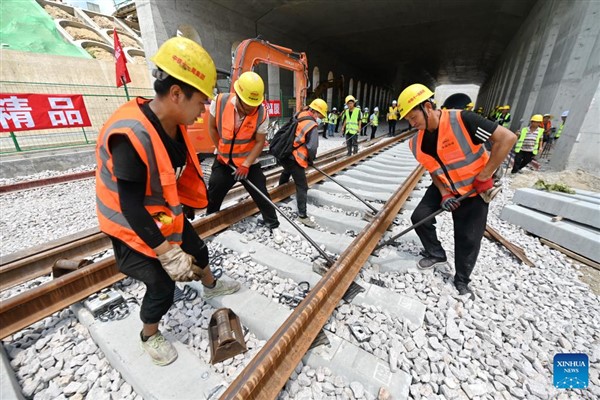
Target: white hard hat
394, 102
366, 108
334, 109
376, 109
565, 114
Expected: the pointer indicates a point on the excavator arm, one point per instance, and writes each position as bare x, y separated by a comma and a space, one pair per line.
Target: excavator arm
252, 52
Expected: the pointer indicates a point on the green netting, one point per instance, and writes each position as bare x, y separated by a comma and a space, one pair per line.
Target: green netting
25, 26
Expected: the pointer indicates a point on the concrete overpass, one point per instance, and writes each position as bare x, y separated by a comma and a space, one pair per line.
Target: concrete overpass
538, 56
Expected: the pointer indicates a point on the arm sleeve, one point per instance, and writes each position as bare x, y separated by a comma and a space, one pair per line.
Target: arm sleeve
312, 143
127, 164
479, 128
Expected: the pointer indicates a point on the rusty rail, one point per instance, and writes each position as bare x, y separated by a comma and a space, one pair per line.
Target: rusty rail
28, 307
270, 369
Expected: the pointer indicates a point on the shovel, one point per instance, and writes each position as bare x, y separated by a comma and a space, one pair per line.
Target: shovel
421, 222
368, 216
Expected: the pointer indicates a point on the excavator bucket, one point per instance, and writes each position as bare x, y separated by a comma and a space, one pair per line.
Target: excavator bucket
225, 335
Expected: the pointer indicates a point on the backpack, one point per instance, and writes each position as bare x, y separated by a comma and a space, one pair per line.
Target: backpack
282, 144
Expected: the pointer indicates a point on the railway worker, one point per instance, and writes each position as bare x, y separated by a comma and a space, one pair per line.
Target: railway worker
332, 118
449, 146
374, 120
528, 143
352, 125
305, 151
392, 118
147, 170
364, 121
469, 107
238, 127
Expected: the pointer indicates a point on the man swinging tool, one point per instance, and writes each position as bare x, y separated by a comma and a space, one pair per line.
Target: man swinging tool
449, 145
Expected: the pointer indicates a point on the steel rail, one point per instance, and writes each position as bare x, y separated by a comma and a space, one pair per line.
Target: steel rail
272, 366
31, 306
28, 264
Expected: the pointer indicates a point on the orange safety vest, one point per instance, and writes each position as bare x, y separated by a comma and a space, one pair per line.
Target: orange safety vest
300, 152
462, 160
236, 146
164, 192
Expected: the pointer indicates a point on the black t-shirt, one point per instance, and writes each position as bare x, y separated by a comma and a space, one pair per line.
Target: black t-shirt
479, 128
131, 179
128, 165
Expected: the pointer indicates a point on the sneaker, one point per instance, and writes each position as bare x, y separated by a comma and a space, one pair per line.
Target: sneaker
160, 349
430, 262
307, 222
463, 289
222, 288
277, 236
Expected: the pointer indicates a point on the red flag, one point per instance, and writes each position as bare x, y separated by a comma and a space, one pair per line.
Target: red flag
121, 63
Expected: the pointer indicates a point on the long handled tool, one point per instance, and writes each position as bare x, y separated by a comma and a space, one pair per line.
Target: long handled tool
348, 190
421, 222
328, 259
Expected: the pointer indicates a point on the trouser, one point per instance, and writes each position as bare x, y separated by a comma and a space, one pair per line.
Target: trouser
351, 143
330, 129
391, 127
296, 171
522, 158
469, 224
160, 288
221, 180
373, 130
363, 131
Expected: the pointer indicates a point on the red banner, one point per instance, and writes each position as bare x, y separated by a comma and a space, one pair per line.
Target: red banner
273, 107
26, 111
122, 74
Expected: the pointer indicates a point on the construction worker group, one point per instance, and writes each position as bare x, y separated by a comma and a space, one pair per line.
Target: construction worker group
148, 173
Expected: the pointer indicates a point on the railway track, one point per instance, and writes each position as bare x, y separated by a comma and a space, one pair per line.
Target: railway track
288, 332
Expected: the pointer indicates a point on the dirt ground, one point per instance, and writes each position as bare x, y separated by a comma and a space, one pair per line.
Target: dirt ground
577, 179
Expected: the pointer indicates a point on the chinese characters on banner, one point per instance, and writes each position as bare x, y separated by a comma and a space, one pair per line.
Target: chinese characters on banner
25, 111
273, 107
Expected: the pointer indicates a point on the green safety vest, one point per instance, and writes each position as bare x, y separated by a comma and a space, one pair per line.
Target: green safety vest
365, 117
522, 139
352, 121
559, 131
375, 119
333, 118
507, 123
325, 120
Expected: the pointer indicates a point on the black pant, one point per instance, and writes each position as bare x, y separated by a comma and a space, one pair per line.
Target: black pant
391, 127
160, 288
221, 180
363, 131
351, 143
373, 130
522, 158
293, 169
469, 224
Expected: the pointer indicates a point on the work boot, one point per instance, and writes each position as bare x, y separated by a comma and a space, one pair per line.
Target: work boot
306, 221
277, 236
221, 288
430, 262
159, 349
463, 288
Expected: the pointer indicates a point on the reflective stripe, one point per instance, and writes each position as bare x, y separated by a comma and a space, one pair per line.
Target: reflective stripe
462, 140
113, 215
237, 141
223, 99
352, 122
300, 139
234, 155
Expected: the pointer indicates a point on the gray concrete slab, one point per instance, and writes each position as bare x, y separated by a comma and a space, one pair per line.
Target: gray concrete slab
382, 195
577, 238
9, 387
120, 343
368, 185
567, 206
379, 171
374, 177
324, 198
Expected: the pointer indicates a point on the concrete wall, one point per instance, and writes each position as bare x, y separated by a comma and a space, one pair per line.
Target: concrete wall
220, 28
552, 65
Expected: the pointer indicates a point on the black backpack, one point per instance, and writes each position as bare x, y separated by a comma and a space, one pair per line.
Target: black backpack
282, 144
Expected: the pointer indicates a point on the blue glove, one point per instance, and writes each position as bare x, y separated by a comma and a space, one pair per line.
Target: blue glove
449, 203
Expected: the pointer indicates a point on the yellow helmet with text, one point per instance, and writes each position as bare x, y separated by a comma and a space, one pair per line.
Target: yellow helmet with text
319, 106
537, 118
412, 96
187, 61
250, 88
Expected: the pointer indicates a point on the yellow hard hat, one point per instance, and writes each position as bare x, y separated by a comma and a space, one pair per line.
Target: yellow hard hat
470, 104
250, 88
319, 106
506, 107
349, 98
537, 118
187, 61
412, 96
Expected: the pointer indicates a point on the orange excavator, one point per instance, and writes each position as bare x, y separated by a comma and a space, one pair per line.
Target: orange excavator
248, 55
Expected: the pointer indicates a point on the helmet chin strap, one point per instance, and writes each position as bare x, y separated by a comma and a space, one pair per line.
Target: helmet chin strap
422, 107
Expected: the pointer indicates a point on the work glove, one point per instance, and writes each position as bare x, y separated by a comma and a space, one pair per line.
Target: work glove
449, 202
241, 173
189, 212
180, 265
482, 186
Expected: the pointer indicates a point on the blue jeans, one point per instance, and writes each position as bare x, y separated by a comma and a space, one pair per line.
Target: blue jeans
330, 129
